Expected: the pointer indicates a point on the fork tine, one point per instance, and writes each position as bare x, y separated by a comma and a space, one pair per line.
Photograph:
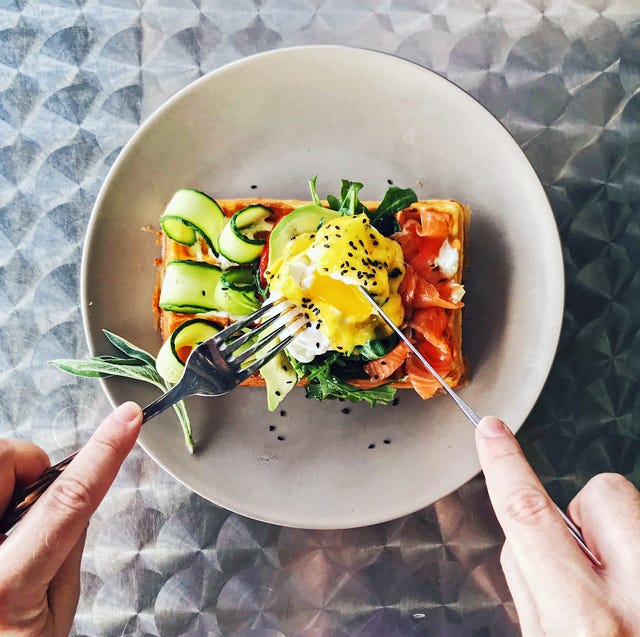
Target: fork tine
254, 367
223, 335
247, 336
248, 353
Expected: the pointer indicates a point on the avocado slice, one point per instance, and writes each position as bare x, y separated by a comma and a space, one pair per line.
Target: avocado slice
280, 378
303, 219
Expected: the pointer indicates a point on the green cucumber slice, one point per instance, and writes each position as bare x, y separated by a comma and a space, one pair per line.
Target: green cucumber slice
241, 238
169, 362
191, 213
189, 287
236, 293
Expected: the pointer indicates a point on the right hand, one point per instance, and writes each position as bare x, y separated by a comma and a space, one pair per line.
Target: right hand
556, 589
40, 559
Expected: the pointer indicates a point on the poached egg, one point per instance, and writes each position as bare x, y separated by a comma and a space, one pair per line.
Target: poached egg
320, 272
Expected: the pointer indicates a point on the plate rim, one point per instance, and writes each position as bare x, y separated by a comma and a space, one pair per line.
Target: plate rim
158, 113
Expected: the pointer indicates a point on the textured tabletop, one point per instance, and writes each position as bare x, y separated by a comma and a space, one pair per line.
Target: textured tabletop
77, 78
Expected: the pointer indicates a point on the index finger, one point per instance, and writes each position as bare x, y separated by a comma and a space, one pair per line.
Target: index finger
544, 548
20, 462
39, 544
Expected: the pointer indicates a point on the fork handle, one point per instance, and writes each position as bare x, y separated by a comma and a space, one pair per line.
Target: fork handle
23, 498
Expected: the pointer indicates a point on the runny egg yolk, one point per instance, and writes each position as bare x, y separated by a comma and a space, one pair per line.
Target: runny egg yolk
320, 272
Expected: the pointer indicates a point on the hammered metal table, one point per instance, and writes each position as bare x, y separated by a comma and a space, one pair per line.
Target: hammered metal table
76, 80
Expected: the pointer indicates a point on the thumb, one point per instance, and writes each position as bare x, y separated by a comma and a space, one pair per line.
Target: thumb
531, 523
40, 543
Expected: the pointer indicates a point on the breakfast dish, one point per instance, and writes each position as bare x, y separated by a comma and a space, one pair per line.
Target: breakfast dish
221, 259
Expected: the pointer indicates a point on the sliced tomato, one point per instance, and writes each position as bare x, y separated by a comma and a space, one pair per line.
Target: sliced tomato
263, 264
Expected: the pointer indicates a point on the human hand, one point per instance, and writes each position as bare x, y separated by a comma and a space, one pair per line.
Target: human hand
40, 559
555, 587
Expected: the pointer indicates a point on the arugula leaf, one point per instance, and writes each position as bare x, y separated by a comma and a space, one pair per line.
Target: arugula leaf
394, 200
325, 384
348, 204
376, 348
331, 388
139, 365
383, 217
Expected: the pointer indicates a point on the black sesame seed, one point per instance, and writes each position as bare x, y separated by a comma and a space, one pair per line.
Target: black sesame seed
283, 412
254, 186
395, 401
372, 446
387, 441
346, 410
277, 392
375, 243
272, 427
326, 245
204, 293
280, 438
317, 345
383, 362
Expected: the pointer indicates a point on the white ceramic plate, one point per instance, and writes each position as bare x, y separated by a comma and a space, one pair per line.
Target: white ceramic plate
273, 121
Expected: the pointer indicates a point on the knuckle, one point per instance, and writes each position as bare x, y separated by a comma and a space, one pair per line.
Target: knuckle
527, 506
106, 445
70, 496
609, 482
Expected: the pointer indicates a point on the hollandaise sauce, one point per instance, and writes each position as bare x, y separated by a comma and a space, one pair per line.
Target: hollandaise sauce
321, 271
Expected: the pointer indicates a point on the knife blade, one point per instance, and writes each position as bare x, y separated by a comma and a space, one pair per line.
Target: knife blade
468, 412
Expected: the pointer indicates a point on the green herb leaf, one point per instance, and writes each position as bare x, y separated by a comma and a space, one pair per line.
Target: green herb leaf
314, 192
139, 366
325, 383
376, 348
97, 368
130, 349
394, 200
348, 203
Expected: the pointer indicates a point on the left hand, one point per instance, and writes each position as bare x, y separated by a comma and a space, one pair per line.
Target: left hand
40, 559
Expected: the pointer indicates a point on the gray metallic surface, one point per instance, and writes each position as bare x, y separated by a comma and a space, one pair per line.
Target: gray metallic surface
77, 79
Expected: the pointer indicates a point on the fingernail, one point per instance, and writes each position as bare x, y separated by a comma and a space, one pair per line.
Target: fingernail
126, 413
492, 427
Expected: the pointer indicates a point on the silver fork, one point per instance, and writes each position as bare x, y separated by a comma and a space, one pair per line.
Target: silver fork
212, 369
